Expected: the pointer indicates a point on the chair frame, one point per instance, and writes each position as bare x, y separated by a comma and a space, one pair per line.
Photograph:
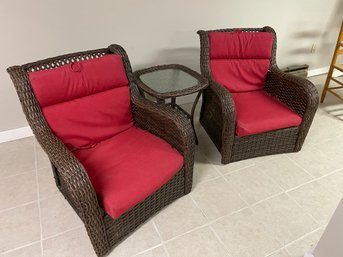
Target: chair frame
71, 177
218, 112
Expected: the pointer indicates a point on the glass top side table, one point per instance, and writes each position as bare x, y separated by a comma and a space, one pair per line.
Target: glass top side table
170, 81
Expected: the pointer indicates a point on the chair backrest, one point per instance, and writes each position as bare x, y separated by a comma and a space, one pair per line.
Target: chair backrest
240, 59
83, 100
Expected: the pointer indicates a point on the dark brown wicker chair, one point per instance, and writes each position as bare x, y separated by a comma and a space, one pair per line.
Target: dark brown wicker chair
218, 109
70, 175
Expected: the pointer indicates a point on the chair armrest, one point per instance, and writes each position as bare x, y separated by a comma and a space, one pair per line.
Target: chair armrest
75, 184
225, 100
297, 93
169, 124
218, 117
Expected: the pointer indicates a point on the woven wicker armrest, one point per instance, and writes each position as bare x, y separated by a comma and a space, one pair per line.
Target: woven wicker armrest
225, 100
219, 102
71, 174
297, 93
170, 124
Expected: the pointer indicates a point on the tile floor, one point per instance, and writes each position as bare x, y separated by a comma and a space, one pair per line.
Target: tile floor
276, 206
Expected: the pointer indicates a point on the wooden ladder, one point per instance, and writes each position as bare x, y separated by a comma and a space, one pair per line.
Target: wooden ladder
334, 65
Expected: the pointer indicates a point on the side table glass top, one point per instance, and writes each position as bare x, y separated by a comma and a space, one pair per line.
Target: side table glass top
168, 80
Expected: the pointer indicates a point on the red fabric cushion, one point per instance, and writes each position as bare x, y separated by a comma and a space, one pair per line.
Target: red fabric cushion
258, 112
85, 102
240, 60
85, 121
240, 75
78, 79
240, 45
129, 167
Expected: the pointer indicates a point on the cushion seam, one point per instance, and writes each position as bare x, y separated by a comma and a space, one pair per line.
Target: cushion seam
84, 96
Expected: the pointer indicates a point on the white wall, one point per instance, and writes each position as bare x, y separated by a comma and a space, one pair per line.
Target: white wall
154, 32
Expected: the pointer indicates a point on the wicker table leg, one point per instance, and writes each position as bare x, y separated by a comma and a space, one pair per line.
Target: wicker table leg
192, 114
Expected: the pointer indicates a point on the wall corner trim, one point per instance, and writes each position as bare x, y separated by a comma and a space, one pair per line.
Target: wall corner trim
14, 134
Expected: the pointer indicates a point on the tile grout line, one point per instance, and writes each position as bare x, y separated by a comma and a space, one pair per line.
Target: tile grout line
314, 179
220, 240
18, 174
147, 250
20, 247
226, 181
304, 211
296, 240
236, 170
284, 191
38, 197
18, 206
63, 232
197, 206
160, 236
299, 166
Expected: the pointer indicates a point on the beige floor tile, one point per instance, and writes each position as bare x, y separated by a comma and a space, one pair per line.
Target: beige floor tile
74, 243
47, 186
227, 168
216, 198
17, 157
333, 149
317, 199
252, 184
315, 162
15, 145
41, 157
334, 182
19, 226
142, 239
179, 217
28, 251
199, 243
284, 218
203, 170
305, 244
17, 190
324, 128
155, 252
57, 216
287, 174
281, 253
245, 235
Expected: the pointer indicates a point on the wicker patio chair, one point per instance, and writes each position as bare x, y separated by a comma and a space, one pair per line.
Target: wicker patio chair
164, 126
219, 114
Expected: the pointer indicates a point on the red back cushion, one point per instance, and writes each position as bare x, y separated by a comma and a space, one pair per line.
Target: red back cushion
240, 60
85, 102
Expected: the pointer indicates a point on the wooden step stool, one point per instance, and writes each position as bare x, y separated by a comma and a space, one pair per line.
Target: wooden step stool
333, 66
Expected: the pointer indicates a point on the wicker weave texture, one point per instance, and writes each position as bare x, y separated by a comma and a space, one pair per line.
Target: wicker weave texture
218, 112
70, 176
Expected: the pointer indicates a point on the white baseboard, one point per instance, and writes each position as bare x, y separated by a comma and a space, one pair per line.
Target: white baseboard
323, 70
14, 134
319, 71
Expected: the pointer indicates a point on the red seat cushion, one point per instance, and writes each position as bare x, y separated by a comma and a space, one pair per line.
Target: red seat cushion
129, 167
240, 60
258, 112
85, 102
